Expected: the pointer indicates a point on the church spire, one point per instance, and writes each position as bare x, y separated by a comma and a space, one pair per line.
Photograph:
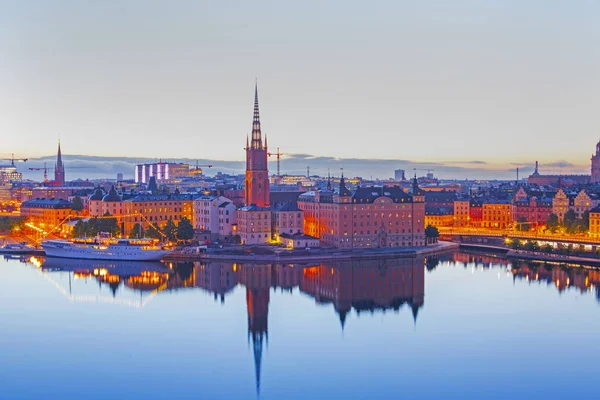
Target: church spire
59, 168
256, 133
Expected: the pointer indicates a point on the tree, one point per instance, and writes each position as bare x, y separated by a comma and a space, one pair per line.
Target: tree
154, 232
516, 244
185, 230
552, 223
432, 234
136, 232
108, 224
79, 230
77, 204
547, 248
522, 226
170, 231
152, 186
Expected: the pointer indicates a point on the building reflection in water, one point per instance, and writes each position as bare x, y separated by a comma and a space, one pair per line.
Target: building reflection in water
365, 286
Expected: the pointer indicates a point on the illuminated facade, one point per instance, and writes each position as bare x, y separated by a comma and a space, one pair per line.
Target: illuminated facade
461, 213
560, 204
257, 186
595, 222
496, 214
368, 217
156, 209
161, 171
46, 213
9, 174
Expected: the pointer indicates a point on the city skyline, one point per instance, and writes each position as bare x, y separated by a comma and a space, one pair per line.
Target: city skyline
420, 82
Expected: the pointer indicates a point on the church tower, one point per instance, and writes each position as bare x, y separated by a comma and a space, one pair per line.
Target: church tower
59, 168
596, 165
257, 173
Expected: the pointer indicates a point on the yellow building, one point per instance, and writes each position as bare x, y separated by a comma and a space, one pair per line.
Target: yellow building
149, 209
496, 214
46, 214
595, 222
560, 204
461, 213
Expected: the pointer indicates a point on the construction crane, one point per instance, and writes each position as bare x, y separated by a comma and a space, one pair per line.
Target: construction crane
12, 159
198, 168
278, 158
45, 169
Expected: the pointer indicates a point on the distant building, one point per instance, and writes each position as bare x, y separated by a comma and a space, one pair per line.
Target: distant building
59, 168
399, 175
596, 165
556, 180
161, 171
9, 174
461, 213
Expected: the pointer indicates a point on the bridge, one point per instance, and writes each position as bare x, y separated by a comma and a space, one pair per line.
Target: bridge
495, 236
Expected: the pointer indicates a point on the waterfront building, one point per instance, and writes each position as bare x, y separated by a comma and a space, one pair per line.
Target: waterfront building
59, 168
157, 209
46, 214
161, 171
595, 222
286, 219
254, 225
215, 214
475, 213
257, 187
531, 209
439, 216
367, 217
461, 213
298, 241
496, 214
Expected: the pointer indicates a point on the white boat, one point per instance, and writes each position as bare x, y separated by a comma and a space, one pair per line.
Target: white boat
17, 248
101, 248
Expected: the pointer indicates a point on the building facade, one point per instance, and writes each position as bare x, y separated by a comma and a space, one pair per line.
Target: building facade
369, 217
161, 171
215, 214
595, 167
254, 225
286, 218
46, 214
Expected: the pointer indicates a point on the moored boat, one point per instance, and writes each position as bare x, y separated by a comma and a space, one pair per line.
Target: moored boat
102, 248
17, 248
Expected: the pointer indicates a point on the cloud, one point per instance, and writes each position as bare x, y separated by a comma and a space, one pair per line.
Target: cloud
559, 164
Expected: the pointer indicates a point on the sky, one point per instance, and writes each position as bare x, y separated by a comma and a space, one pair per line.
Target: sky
493, 83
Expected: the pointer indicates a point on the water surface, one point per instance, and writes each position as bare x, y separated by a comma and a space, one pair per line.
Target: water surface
457, 326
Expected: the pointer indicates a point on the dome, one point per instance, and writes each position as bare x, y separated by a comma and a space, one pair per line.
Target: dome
112, 195
97, 195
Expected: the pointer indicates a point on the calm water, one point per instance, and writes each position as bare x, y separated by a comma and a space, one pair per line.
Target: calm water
462, 326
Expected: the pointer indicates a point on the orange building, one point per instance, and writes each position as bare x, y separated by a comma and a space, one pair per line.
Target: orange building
156, 209
461, 213
369, 217
496, 214
46, 214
